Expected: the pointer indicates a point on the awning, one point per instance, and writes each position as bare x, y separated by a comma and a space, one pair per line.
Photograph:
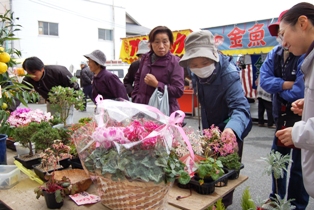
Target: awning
129, 45
244, 38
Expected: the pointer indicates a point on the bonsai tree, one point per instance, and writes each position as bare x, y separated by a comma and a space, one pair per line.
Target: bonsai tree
45, 135
12, 91
42, 134
23, 135
63, 99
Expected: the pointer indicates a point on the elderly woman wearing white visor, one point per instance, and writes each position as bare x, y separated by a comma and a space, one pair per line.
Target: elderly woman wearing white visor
219, 89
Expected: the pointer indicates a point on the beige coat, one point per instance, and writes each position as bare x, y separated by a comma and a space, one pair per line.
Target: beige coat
303, 131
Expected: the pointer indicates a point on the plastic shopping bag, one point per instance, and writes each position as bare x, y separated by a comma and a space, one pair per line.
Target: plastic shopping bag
160, 101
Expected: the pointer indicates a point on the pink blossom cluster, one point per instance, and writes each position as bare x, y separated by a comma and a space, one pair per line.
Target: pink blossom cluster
24, 116
220, 146
136, 131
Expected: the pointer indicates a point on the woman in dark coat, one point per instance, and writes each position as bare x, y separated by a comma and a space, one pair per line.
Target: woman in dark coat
104, 83
159, 67
219, 89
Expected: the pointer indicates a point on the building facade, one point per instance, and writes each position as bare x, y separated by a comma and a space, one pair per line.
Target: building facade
62, 31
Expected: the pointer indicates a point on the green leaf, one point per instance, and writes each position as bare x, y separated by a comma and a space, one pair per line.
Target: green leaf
184, 177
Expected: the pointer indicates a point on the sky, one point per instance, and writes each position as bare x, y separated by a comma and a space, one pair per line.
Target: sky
196, 14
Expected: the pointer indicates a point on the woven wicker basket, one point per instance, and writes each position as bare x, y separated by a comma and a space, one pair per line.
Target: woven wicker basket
77, 176
133, 195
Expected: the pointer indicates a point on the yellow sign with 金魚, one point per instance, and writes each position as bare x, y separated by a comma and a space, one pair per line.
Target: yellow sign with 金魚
129, 45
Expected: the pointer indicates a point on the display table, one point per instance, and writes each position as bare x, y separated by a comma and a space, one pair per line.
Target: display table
22, 196
197, 201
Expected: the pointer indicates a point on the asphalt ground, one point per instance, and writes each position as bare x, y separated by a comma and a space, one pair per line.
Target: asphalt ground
256, 145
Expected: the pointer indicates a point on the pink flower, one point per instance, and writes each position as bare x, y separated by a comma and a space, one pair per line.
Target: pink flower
106, 136
137, 130
24, 116
220, 146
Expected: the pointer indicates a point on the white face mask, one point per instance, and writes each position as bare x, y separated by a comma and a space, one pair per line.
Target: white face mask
279, 40
204, 72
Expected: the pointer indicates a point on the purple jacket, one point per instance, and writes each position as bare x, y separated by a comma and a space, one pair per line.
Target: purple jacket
167, 71
108, 85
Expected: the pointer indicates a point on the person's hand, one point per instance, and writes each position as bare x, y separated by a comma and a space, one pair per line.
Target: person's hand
287, 85
256, 82
151, 80
228, 132
297, 106
285, 136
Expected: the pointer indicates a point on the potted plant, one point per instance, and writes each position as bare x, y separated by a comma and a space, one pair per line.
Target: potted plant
231, 162
208, 170
26, 123
247, 201
130, 149
54, 191
54, 158
63, 99
12, 92
214, 145
276, 165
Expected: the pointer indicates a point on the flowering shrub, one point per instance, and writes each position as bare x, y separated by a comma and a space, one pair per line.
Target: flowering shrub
214, 145
24, 116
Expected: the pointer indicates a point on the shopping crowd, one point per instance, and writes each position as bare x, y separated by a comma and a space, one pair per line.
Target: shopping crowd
286, 75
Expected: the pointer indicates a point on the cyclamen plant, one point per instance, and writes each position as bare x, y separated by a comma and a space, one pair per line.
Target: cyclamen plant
105, 136
136, 151
24, 116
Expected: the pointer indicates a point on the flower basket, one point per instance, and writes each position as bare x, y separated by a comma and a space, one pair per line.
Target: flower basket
130, 153
144, 195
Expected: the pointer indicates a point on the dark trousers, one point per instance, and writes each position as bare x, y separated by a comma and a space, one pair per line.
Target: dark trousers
87, 90
296, 188
262, 106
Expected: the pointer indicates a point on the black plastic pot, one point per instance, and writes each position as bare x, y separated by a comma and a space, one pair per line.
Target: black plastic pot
236, 173
205, 189
41, 174
65, 163
51, 202
28, 163
76, 163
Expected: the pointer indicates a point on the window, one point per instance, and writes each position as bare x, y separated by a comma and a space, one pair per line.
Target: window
105, 34
46, 28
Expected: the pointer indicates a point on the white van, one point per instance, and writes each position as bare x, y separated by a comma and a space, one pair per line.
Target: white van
118, 68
